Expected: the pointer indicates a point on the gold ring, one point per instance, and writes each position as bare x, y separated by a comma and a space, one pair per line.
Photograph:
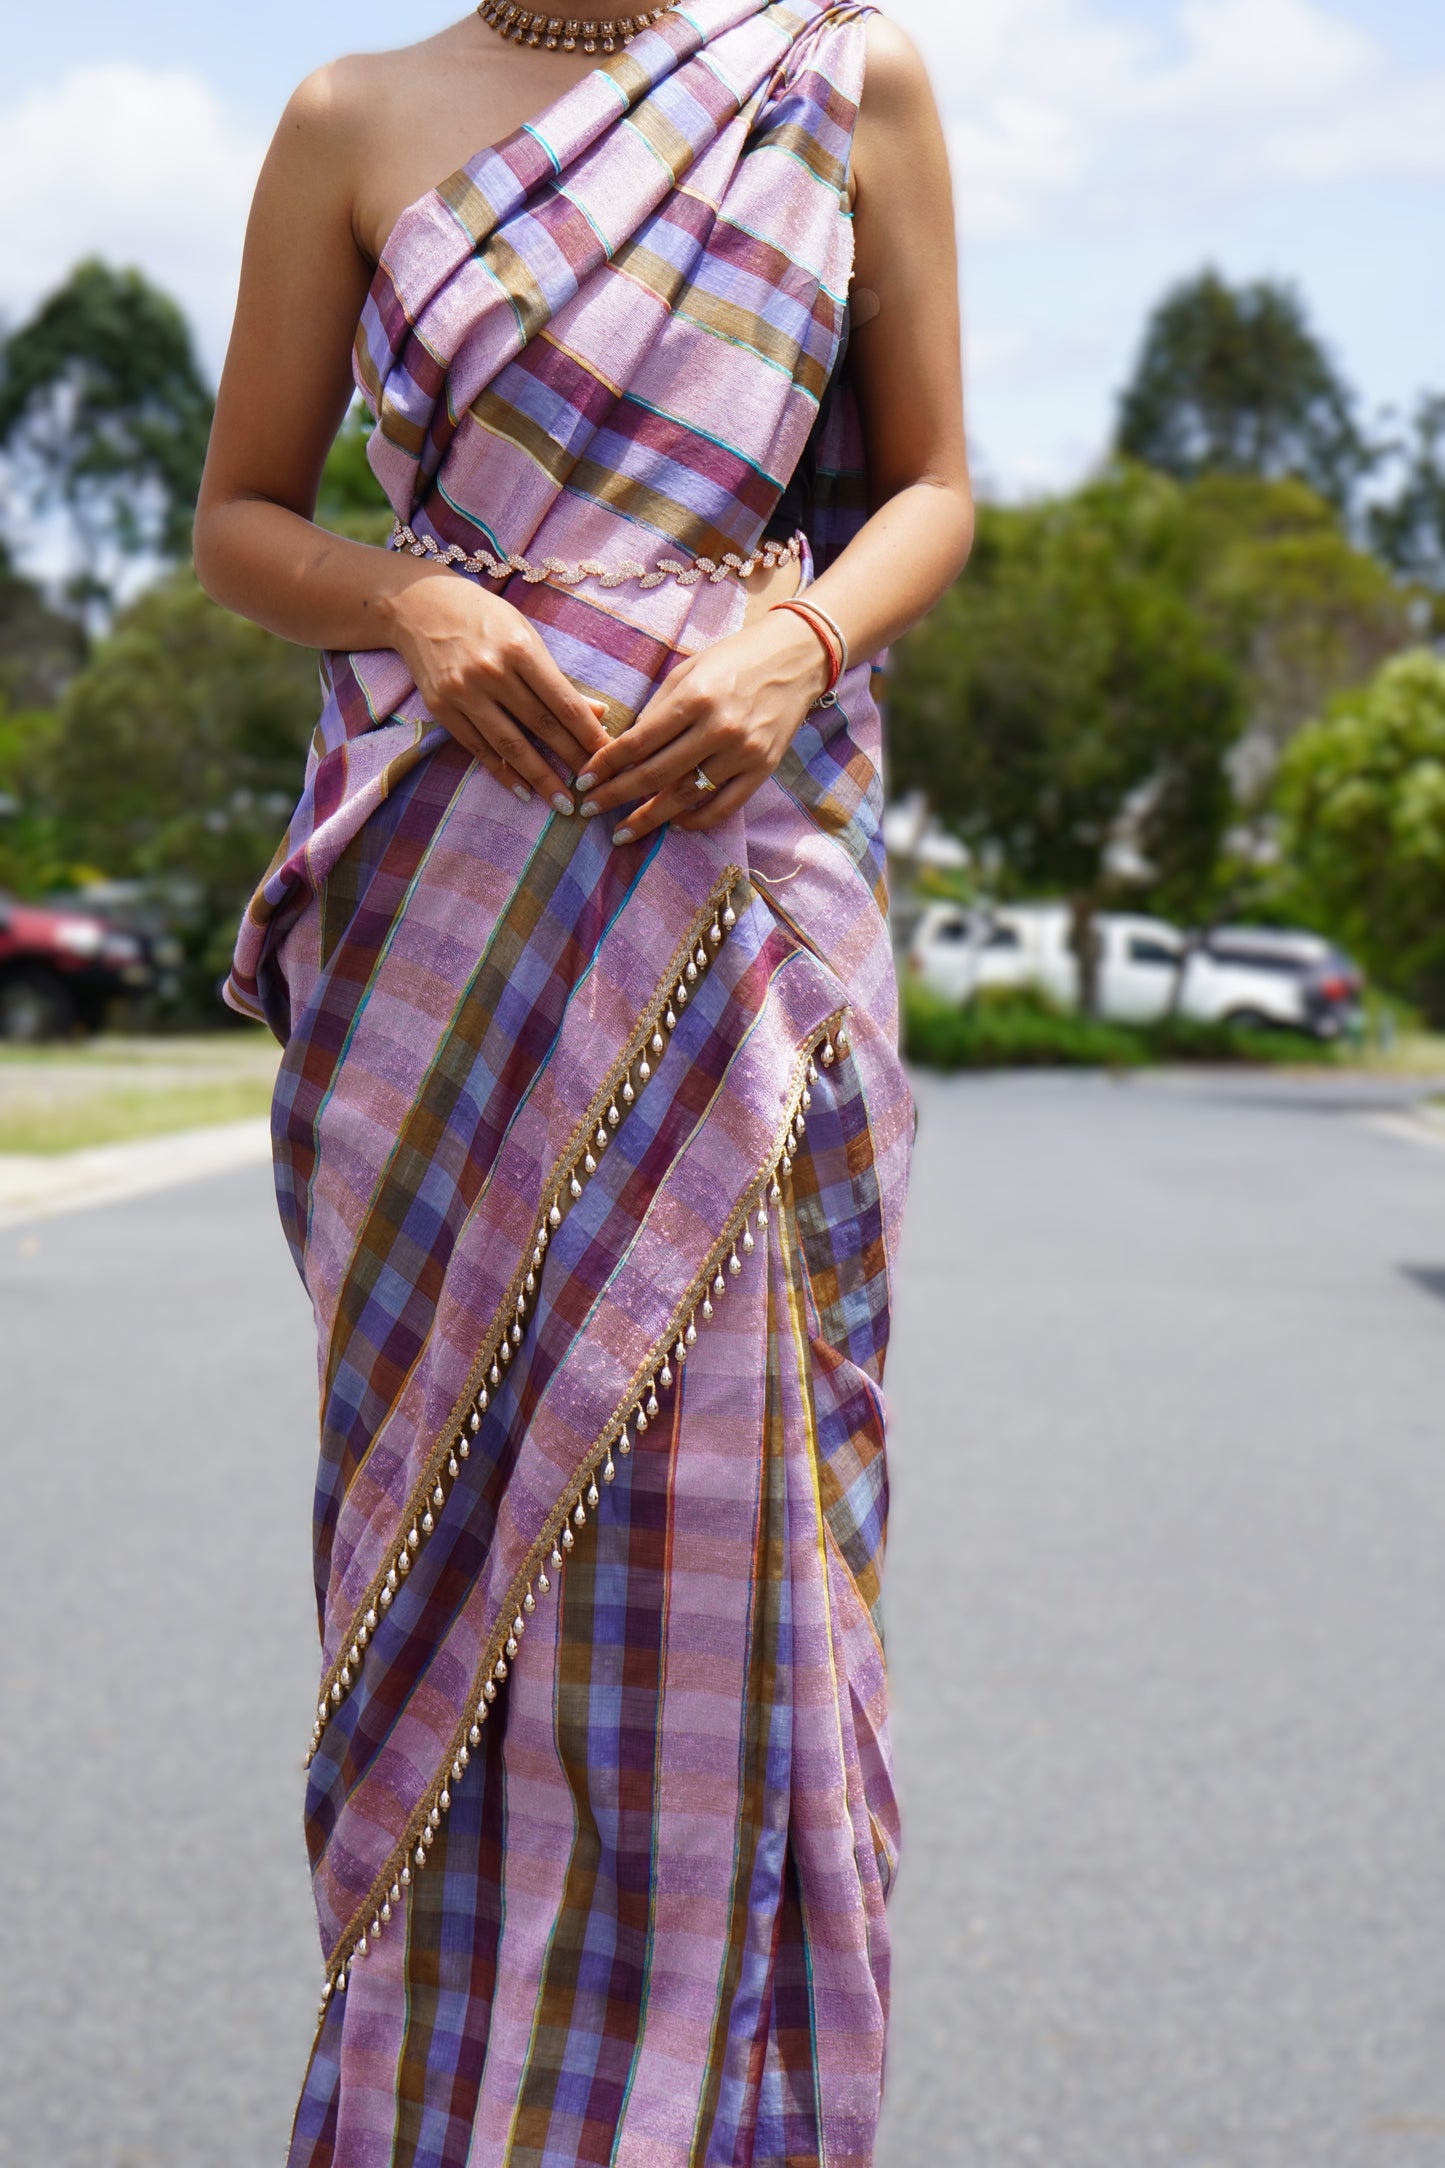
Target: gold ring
703, 782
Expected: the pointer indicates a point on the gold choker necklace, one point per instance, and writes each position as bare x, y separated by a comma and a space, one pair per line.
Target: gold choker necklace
528, 26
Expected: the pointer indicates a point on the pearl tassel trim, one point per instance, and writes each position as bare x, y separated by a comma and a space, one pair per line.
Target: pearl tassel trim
640, 1408
690, 960
686, 571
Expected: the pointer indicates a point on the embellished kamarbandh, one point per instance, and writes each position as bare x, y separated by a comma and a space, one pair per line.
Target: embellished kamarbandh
592, 1161
686, 571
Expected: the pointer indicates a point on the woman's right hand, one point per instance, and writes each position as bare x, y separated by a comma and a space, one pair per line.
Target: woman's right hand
485, 675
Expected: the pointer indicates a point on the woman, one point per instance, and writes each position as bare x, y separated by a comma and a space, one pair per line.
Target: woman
591, 1136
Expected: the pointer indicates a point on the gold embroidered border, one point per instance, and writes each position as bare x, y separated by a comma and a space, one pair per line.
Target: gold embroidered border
455, 1437
370, 1917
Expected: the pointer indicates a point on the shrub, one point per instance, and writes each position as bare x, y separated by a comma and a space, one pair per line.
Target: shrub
1004, 1028
1363, 797
1007, 1030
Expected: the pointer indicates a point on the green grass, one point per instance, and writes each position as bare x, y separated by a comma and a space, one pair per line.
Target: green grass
1019, 1030
120, 1116
1413, 1053
240, 1050
112, 1089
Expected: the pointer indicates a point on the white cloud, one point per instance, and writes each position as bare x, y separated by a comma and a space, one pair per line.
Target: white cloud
1258, 60
1059, 113
141, 166
1012, 159
1100, 149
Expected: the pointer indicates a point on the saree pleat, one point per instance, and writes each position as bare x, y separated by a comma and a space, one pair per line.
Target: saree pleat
592, 1160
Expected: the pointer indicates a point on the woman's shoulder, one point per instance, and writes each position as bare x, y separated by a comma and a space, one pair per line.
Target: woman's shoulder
896, 84
350, 98
349, 123
363, 99
899, 140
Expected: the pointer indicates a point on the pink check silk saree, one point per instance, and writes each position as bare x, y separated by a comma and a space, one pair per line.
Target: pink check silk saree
592, 1161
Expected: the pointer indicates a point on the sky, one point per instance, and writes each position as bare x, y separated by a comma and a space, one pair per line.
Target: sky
1102, 150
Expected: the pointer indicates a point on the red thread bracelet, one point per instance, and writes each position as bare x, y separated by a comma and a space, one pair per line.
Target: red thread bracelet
824, 634
829, 624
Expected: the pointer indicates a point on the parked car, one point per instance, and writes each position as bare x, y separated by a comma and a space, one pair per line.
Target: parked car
1254, 977
60, 968
1297, 978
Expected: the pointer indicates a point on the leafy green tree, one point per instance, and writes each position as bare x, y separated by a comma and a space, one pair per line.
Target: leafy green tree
1362, 794
1409, 529
1065, 700
177, 755
1302, 611
40, 648
32, 848
350, 500
104, 412
1232, 380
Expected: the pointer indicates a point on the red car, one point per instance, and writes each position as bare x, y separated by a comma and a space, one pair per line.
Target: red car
63, 968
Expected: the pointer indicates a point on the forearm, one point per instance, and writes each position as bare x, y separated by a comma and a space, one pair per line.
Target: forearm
893, 571
269, 563
729, 712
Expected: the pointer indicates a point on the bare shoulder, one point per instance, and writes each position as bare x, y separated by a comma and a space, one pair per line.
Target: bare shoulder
896, 89
356, 102
341, 105
899, 142
355, 130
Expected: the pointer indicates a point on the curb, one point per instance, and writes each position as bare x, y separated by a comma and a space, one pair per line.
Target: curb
36, 1185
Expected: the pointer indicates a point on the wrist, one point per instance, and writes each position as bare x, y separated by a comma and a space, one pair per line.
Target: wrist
390, 604
801, 654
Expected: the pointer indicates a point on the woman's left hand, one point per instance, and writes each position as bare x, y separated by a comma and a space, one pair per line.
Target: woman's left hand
731, 711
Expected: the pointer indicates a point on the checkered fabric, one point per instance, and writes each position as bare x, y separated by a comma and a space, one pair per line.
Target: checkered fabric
651, 1927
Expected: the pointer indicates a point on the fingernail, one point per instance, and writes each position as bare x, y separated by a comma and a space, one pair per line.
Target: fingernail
622, 835
561, 803
584, 782
520, 790
588, 810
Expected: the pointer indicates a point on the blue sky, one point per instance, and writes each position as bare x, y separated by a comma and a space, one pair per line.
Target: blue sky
1102, 149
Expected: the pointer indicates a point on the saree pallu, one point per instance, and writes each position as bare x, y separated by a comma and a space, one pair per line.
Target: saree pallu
592, 1161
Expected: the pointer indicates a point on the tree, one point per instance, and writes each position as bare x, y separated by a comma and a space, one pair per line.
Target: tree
1231, 380
40, 652
177, 755
40, 649
1409, 530
1065, 701
1302, 611
350, 499
1362, 794
32, 854
104, 412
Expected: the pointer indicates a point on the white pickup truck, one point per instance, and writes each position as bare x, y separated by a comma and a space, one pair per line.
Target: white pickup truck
1256, 977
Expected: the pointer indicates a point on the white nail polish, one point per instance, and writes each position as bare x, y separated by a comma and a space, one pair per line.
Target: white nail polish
588, 810
520, 790
622, 835
561, 803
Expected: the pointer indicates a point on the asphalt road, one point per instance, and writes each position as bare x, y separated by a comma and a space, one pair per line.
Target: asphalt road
1166, 1610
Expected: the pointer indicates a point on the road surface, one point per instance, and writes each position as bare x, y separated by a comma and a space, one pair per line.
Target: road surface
1166, 1608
